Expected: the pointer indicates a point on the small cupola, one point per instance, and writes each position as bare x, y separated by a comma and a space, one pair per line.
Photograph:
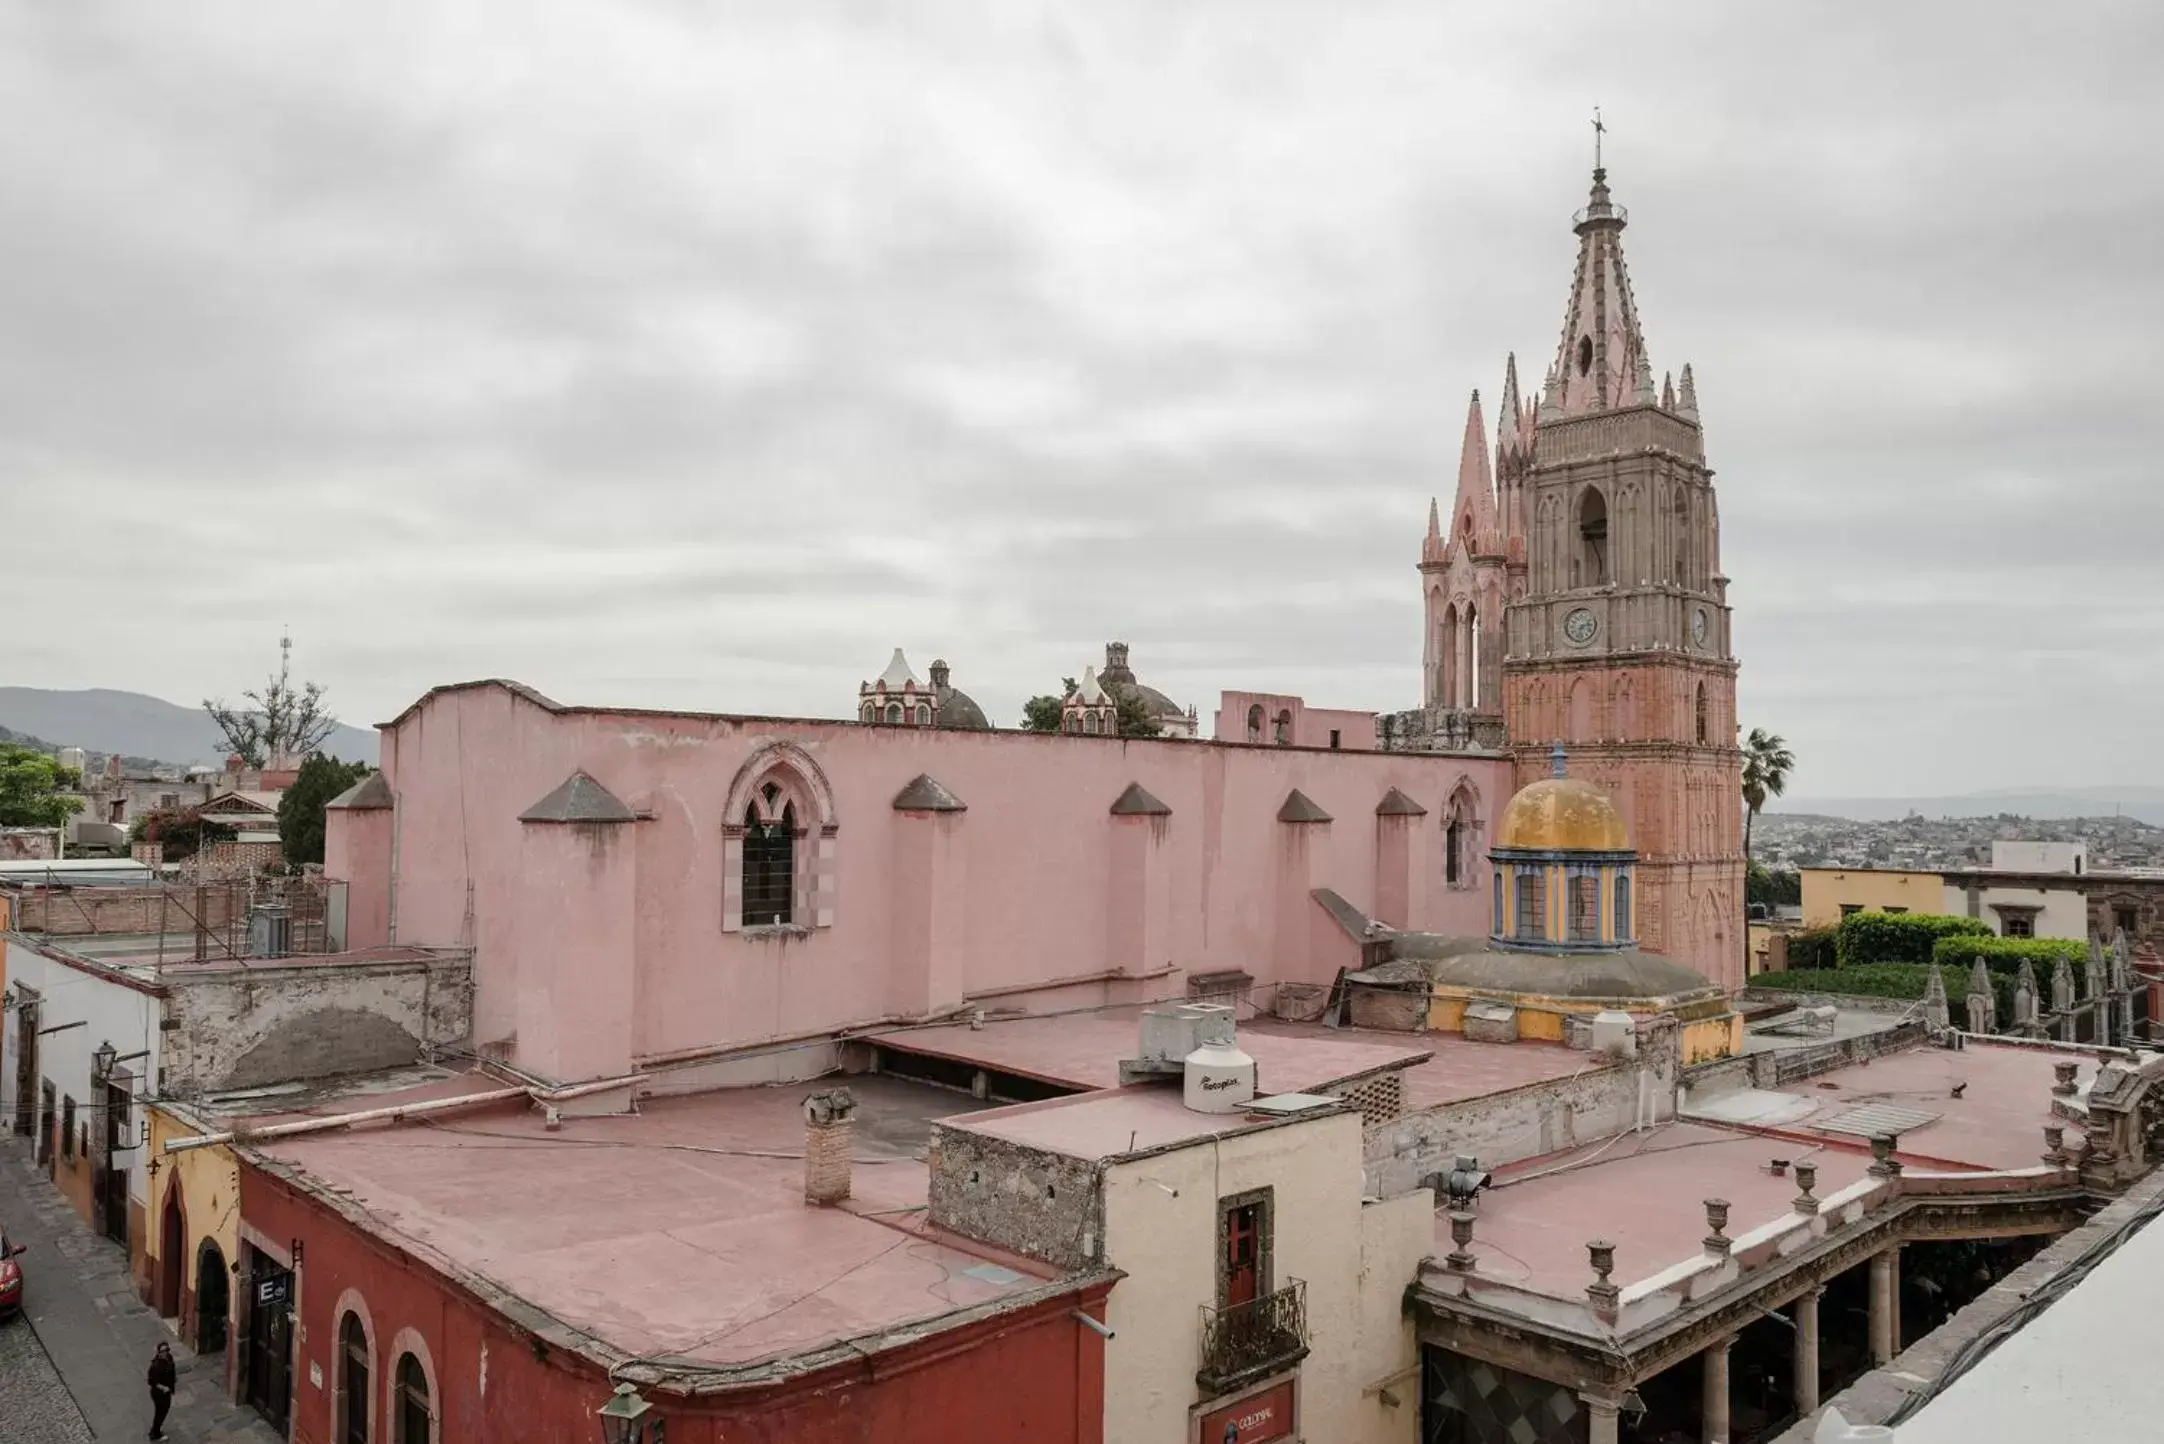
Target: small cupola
1563, 866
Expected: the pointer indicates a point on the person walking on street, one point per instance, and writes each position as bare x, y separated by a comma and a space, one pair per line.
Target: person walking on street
163, 1376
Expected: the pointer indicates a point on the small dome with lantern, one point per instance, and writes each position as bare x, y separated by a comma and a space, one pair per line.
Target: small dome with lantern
1563, 869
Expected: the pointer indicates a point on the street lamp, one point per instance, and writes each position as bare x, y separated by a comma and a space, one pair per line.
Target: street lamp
623, 1418
102, 1059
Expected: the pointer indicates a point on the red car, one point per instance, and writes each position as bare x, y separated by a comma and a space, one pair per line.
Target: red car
11, 1277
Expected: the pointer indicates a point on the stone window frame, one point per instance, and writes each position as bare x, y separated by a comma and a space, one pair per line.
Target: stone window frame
803, 783
406, 1344
1462, 807
352, 1305
1265, 1241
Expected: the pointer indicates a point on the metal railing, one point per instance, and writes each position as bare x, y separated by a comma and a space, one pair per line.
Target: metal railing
1247, 1341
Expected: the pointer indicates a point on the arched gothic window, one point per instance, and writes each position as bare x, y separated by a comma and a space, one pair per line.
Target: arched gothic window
924, 715
1254, 723
1684, 577
412, 1401
1453, 845
894, 714
1284, 728
769, 863
871, 712
352, 1381
1089, 723
1700, 708
1592, 567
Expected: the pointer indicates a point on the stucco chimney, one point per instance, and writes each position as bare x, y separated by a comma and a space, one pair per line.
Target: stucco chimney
830, 1133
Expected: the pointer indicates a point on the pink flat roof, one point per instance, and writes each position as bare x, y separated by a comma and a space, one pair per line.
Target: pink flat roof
680, 1231
1083, 1051
1646, 1192
1107, 1124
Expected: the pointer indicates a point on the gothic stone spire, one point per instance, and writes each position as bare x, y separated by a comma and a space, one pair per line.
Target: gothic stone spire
1472, 515
1597, 360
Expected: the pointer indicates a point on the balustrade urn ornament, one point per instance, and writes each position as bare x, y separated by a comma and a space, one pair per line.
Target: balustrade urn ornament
1717, 1242
2055, 1145
1460, 1259
1604, 1295
1806, 1180
1883, 1162
2063, 1078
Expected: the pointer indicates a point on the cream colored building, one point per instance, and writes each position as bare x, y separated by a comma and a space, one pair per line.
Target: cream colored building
1832, 893
1262, 1288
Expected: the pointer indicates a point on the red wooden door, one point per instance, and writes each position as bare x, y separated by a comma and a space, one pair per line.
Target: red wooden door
1243, 1255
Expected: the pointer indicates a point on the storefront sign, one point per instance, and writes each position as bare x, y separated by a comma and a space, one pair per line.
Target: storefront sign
1253, 1420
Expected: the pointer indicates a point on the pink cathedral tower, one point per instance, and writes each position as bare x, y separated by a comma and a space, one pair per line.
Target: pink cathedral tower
1616, 640
1468, 572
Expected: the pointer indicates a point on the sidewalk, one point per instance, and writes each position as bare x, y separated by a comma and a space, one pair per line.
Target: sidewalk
79, 1300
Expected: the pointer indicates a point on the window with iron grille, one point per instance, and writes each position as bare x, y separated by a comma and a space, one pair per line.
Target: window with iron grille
1585, 909
1453, 841
769, 866
1532, 905
1498, 904
1623, 907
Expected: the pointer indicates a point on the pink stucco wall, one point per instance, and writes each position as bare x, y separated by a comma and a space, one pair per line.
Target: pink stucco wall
1311, 726
356, 848
1035, 884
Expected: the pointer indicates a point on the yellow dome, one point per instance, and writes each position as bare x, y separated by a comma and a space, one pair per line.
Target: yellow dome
1562, 814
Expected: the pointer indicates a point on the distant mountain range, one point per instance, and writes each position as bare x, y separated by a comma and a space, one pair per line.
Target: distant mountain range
2145, 803
136, 726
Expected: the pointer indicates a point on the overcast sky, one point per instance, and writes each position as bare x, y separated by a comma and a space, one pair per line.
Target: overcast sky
698, 354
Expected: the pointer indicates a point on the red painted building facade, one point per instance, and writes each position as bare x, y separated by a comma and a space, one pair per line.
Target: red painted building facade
372, 1320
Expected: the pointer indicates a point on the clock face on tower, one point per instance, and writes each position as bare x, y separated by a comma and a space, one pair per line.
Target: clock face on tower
1700, 625
1579, 626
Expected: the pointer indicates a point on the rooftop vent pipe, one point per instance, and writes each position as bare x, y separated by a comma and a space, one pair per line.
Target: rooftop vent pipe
830, 1136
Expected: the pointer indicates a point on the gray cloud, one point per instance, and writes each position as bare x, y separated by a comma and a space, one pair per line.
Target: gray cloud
686, 355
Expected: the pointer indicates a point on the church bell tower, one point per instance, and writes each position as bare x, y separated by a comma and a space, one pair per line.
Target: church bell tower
1618, 647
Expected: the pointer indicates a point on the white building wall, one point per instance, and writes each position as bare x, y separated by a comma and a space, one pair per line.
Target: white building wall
2062, 912
1355, 1256
109, 1011
2040, 857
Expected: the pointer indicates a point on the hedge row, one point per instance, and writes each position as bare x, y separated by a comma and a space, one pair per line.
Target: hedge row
2006, 955
1812, 948
1899, 937
1893, 980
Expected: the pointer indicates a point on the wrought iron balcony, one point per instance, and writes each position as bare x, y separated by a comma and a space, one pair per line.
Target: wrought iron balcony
1250, 1341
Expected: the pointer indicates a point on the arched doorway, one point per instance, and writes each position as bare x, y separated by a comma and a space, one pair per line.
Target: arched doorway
172, 1251
212, 1304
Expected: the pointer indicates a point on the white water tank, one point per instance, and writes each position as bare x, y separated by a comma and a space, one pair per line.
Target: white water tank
1219, 1078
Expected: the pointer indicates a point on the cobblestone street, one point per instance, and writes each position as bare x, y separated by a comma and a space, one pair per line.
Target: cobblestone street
72, 1367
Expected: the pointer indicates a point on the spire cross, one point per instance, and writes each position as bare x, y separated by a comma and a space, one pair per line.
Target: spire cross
1599, 129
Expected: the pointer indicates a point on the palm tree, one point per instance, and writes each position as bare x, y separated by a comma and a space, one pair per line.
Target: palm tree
1766, 765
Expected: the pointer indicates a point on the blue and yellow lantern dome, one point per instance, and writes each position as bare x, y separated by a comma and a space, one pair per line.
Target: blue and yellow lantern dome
1563, 867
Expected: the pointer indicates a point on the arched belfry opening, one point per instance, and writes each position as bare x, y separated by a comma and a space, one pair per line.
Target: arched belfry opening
1592, 565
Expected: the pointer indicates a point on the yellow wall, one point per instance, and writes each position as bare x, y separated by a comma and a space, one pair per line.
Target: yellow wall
1827, 889
210, 1195
1541, 1019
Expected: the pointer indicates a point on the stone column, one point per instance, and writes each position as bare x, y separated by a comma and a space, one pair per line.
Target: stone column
1883, 1289
1807, 1352
1716, 1401
1600, 1419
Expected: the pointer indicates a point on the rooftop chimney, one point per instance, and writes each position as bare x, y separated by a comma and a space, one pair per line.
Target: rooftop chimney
830, 1135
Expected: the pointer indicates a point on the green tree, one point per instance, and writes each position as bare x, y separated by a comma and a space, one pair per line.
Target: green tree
1041, 714
1135, 719
181, 830
300, 810
1762, 885
32, 788
1766, 765
287, 720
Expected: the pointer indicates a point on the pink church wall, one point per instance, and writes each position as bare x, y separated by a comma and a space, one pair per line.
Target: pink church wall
357, 852
1310, 726
1033, 887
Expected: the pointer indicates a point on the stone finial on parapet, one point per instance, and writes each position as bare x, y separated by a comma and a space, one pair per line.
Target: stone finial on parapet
1460, 1259
1983, 1000
1718, 1243
2062, 985
2062, 1078
2055, 1145
1605, 1297
1936, 1016
1883, 1162
2025, 998
1806, 1180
